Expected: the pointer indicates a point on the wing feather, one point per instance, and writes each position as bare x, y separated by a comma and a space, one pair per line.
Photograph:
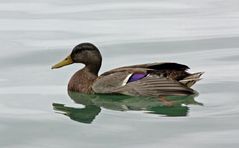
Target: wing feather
149, 66
154, 86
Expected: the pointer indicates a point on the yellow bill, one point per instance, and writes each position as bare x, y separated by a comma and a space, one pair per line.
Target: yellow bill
67, 61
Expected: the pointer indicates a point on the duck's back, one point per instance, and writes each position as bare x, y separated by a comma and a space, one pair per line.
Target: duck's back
154, 79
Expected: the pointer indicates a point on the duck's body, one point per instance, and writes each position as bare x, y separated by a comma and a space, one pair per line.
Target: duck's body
154, 79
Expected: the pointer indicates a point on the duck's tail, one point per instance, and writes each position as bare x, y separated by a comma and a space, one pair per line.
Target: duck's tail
190, 80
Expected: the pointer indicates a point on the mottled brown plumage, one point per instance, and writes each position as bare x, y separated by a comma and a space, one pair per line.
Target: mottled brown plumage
154, 79
82, 81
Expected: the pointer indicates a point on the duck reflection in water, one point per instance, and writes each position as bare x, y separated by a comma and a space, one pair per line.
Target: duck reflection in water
172, 106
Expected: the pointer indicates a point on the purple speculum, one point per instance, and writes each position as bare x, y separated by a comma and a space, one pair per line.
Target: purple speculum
136, 76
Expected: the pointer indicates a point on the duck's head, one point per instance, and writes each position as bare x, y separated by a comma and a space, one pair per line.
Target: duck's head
85, 53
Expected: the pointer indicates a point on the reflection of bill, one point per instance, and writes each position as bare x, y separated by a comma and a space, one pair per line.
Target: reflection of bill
167, 105
83, 115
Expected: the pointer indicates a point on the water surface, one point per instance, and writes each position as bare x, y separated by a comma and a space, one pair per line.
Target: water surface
34, 35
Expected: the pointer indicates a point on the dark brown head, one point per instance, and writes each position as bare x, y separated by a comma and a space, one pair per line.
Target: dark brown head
85, 53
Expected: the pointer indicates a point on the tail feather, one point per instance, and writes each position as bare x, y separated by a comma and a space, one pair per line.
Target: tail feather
190, 80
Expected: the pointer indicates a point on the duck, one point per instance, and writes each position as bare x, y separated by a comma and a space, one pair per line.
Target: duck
152, 79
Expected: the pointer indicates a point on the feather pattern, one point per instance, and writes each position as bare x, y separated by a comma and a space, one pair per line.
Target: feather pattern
154, 86
155, 79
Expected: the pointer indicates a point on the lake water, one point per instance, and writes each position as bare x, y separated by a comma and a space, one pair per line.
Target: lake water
36, 34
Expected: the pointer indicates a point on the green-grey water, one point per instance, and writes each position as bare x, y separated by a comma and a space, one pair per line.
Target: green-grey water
172, 106
36, 110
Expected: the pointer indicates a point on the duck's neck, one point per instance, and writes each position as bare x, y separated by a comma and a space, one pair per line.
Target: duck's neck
83, 79
93, 68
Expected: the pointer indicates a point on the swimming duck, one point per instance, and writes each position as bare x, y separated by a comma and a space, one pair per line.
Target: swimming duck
153, 79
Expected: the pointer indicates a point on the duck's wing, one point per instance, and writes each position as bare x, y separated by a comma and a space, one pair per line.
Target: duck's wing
150, 66
154, 86
142, 80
